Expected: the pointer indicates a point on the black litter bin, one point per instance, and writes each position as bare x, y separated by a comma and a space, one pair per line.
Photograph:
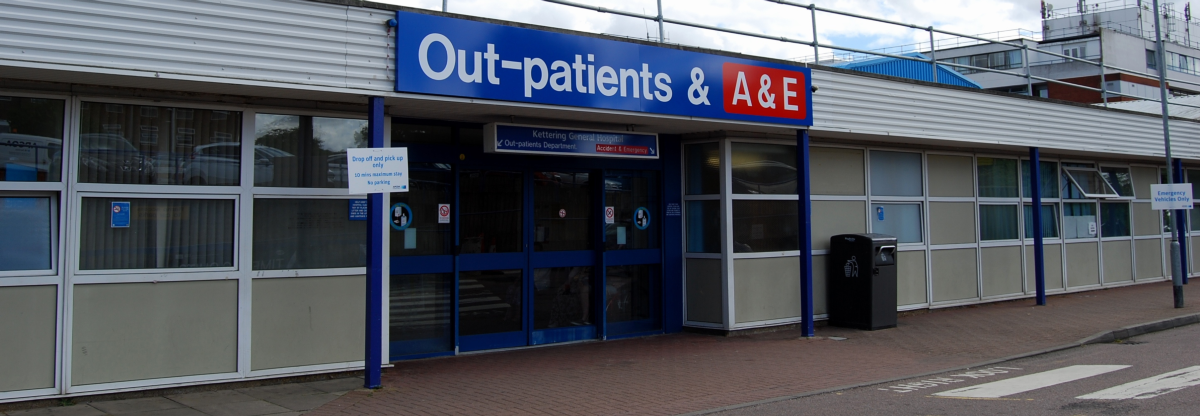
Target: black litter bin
861, 279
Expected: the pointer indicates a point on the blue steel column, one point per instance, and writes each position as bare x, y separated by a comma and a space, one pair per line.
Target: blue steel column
1035, 190
375, 230
1181, 225
803, 190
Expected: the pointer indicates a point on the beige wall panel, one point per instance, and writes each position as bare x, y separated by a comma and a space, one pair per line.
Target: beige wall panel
1149, 258
1193, 244
831, 218
837, 171
951, 176
138, 331
1083, 264
766, 289
1118, 261
704, 291
820, 279
28, 316
910, 276
1145, 220
1143, 177
951, 222
954, 275
1053, 267
1001, 270
307, 321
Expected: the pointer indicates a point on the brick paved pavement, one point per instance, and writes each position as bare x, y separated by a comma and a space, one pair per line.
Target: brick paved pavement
683, 373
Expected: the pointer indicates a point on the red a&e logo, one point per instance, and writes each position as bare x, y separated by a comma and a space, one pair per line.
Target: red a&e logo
759, 91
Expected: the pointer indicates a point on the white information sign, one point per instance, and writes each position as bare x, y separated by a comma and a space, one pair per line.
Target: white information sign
443, 213
377, 170
1171, 196
610, 215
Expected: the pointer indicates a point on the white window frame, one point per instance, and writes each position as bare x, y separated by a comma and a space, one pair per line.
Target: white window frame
1070, 173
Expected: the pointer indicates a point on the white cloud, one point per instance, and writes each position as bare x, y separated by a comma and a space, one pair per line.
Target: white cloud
972, 17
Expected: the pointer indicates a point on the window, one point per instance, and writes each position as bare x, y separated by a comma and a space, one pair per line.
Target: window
763, 168
900, 220
407, 134
294, 234
430, 185
896, 174
634, 197
490, 215
1079, 220
704, 226
1114, 219
1049, 181
997, 222
33, 220
1151, 60
159, 233
703, 168
134, 144
422, 308
760, 226
1077, 50
304, 152
31, 137
1085, 183
1119, 180
997, 177
1049, 221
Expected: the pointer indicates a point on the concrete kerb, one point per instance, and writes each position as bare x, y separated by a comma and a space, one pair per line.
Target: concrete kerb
1099, 338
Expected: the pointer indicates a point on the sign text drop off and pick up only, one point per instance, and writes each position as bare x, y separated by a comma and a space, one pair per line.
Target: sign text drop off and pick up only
377, 170
463, 58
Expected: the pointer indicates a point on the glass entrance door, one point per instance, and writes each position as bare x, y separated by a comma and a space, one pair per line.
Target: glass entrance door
563, 256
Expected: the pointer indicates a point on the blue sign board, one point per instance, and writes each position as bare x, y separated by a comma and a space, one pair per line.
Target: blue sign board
120, 215
358, 210
506, 138
465, 58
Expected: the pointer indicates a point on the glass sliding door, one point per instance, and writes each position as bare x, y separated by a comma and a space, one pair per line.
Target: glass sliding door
492, 261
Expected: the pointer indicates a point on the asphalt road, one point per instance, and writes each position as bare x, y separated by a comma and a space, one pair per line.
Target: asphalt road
1155, 374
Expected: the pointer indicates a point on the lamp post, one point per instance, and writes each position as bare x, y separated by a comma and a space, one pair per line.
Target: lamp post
1176, 265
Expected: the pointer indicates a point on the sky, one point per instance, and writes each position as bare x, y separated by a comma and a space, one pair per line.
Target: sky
972, 17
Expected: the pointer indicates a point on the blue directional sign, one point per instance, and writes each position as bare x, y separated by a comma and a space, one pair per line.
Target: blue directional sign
508, 138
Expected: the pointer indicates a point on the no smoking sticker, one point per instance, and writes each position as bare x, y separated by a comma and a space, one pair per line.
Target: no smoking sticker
610, 215
443, 213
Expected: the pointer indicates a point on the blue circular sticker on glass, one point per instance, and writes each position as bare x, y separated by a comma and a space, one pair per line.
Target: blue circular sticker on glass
401, 216
641, 218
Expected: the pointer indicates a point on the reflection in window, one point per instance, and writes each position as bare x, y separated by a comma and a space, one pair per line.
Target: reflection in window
900, 220
292, 234
406, 134
702, 163
704, 226
634, 197
997, 177
30, 219
420, 307
303, 151
1049, 221
429, 185
629, 299
760, 226
763, 168
1079, 220
562, 297
31, 136
562, 211
1119, 179
489, 302
896, 174
131, 144
490, 216
1114, 219
1049, 179
162, 234
997, 222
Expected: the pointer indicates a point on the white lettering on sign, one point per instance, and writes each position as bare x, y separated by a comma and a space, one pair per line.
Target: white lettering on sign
1171, 196
377, 170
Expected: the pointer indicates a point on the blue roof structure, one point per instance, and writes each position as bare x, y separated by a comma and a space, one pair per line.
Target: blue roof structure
904, 68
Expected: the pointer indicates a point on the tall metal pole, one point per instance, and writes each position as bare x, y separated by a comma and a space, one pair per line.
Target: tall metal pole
1103, 84
812, 9
660, 22
1176, 273
804, 189
1025, 60
1035, 190
444, 5
1181, 222
376, 224
932, 55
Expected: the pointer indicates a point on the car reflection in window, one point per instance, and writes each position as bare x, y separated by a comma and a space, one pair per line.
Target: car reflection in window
764, 177
111, 158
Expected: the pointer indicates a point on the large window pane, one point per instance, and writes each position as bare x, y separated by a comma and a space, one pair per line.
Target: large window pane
1079, 220
704, 226
997, 222
1114, 219
765, 226
562, 211
489, 302
896, 174
405, 134
562, 297
31, 135
491, 211
703, 169
764, 168
294, 234
634, 196
1049, 171
139, 144
420, 307
900, 220
1119, 179
429, 186
303, 151
630, 297
997, 178
1049, 221
27, 225
162, 234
